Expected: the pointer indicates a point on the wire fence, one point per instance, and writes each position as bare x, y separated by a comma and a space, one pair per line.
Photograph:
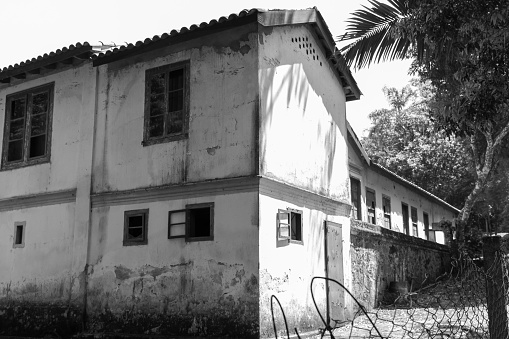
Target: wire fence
469, 301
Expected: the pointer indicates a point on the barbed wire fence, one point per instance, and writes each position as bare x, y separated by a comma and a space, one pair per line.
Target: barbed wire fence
469, 301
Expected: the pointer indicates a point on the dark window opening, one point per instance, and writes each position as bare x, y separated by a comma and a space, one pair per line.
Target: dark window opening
371, 205
296, 225
19, 234
406, 224
355, 192
200, 222
135, 227
414, 222
166, 103
386, 204
27, 127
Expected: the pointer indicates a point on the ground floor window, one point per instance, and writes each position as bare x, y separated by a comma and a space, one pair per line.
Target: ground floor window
194, 223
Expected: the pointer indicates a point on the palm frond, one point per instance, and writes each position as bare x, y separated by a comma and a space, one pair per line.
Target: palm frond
375, 35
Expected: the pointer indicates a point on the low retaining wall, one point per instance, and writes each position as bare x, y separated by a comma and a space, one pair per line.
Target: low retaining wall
380, 256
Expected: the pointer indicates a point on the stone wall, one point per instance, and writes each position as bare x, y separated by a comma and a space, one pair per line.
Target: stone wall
380, 256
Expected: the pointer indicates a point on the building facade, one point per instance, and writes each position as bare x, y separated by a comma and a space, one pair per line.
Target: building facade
173, 186
383, 198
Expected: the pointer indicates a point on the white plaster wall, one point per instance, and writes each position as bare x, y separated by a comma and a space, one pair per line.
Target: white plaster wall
204, 278
286, 271
223, 113
302, 107
398, 194
39, 270
71, 90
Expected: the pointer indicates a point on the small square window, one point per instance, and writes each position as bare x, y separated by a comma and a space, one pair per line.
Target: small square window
19, 234
135, 227
166, 103
289, 225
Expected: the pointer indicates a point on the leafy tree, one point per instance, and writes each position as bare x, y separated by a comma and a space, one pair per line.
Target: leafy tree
406, 141
460, 48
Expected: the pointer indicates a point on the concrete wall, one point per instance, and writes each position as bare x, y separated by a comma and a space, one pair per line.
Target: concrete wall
398, 193
380, 256
304, 165
223, 111
302, 107
47, 273
172, 286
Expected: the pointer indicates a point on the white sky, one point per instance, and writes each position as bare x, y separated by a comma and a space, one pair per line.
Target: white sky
35, 27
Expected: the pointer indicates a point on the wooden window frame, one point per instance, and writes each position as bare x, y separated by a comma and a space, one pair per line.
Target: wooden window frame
415, 224
28, 94
406, 228
370, 190
359, 198
147, 141
292, 239
144, 239
387, 215
284, 229
179, 223
425, 222
191, 207
21, 224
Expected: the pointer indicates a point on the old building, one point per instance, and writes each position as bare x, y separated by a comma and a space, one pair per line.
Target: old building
174, 185
383, 198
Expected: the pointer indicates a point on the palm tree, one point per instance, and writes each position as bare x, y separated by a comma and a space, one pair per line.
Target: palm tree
378, 34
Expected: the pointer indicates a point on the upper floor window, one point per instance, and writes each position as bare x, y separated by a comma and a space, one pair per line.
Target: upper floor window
27, 129
386, 204
371, 205
355, 193
166, 103
413, 215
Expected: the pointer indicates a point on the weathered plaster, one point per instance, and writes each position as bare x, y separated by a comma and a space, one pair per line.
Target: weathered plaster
380, 256
223, 102
208, 287
302, 107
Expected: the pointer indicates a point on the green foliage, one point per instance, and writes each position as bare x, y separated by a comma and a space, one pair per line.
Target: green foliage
461, 49
406, 141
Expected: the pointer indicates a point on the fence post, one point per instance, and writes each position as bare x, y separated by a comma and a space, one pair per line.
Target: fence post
495, 293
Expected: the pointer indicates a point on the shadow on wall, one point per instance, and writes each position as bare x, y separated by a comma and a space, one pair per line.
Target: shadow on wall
294, 88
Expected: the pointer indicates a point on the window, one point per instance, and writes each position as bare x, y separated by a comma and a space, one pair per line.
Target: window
27, 129
195, 223
19, 234
355, 193
289, 225
371, 205
413, 212
166, 103
430, 235
135, 227
406, 224
386, 204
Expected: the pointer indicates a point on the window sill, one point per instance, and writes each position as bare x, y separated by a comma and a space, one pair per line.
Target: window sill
134, 243
193, 239
298, 242
16, 165
169, 138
